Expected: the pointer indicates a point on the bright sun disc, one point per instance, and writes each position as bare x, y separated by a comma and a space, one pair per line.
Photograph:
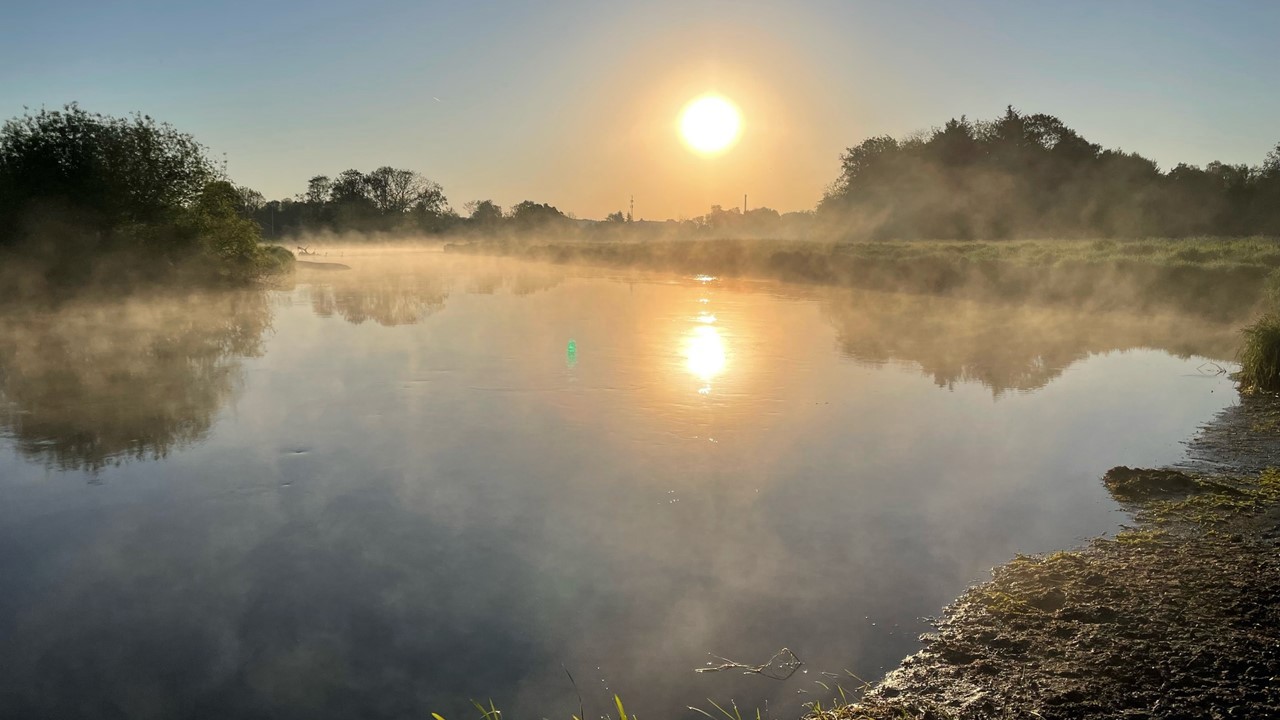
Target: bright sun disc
710, 124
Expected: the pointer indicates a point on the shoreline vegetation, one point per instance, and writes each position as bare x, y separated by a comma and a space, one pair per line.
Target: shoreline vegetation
1211, 276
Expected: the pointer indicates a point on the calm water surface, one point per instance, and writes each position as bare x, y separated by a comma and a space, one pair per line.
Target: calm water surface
384, 491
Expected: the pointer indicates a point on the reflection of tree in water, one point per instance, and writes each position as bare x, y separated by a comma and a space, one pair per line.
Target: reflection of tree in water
403, 296
1004, 346
97, 384
390, 301
514, 280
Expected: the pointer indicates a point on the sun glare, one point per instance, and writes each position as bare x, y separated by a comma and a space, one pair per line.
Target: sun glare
710, 124
704, 353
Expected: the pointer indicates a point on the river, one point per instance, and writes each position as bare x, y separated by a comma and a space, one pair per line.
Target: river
384, 491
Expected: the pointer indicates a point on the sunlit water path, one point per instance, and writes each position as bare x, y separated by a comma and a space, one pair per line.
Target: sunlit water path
385, 491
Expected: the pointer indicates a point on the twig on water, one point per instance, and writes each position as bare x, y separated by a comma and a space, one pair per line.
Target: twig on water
1217, 369
781, 666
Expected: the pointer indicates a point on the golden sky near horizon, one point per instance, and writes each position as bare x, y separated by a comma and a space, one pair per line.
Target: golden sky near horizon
626, 135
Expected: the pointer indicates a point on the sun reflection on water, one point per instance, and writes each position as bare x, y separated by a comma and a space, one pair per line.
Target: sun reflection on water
705, 354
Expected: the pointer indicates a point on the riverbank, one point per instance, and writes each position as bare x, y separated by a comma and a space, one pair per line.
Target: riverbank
1174, 617
1208, 276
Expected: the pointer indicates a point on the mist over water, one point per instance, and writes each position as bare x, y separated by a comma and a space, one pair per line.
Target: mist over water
381, 492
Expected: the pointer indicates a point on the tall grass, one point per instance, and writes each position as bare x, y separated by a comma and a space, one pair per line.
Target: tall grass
1260, 356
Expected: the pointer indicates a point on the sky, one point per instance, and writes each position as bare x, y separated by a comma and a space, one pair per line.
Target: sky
576, 103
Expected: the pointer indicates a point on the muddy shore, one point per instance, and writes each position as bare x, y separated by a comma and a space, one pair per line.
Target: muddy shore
1177, 616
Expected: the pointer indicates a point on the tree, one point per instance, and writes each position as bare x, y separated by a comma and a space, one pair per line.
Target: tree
529, 215
616, 217
866, 164
350, 187
319, 189
1271, 165
108, 171
251, 201
91, 199
955, 144
484, 212
397, 191
221, 229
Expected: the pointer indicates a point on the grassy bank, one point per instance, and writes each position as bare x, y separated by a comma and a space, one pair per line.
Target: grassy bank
1212, 276
1174, 617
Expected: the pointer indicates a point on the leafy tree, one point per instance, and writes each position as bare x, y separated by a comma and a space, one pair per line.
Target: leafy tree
250, 201
319, 189
397, 191
484, 213
81, 192
350, 187
221, 229
386, 199
108, 171
529, 215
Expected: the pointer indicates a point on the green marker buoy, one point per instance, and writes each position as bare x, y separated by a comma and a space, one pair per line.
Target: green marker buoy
571, 353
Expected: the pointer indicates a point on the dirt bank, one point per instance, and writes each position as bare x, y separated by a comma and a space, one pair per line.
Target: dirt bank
1176, 617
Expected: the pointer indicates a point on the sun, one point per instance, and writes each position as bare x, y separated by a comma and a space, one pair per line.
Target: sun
710, 124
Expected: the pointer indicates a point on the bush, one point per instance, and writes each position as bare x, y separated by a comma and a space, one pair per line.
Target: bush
277, 259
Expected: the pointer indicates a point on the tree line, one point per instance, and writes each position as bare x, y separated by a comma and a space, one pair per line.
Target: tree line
1018, 175
76, 185
398, 201
1023, 175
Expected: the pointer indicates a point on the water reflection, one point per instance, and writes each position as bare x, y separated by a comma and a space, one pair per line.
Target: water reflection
461, 504
1010, 347
398, 288
388, 304
98, 383
704, 354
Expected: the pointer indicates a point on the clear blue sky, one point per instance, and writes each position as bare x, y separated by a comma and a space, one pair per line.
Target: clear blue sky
574, 103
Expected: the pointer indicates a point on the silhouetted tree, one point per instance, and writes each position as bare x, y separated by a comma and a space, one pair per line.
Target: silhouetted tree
484, 213
385, 200
397, 191
530, 215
